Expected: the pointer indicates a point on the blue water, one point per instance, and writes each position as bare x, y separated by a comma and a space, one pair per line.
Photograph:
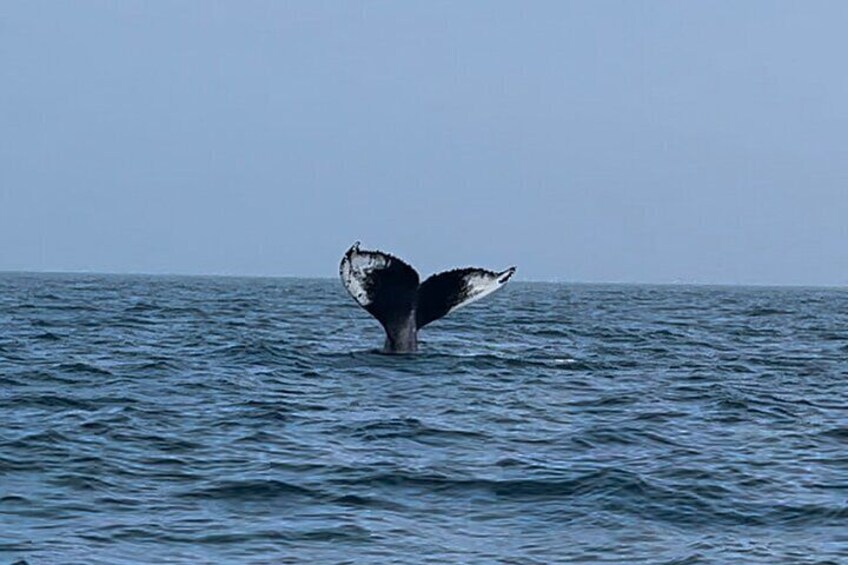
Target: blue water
224, 420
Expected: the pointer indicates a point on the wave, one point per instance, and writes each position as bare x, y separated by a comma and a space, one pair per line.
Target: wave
261, 489
82, 368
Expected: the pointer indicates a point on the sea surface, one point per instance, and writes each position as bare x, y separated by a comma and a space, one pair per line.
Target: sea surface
247, 420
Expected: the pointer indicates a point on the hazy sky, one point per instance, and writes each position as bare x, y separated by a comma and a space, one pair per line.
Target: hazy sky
581, 141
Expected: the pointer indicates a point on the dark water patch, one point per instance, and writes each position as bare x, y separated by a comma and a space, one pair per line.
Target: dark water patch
408, 428
347, 533
606, 482
837, 433
159, 442
622, 436
374, 502
9, 465
152, 366
10, 382
764, 311
75, 481
257, 489
44, 438
48, 401
48, 336
141, 307
80, 368
808, 515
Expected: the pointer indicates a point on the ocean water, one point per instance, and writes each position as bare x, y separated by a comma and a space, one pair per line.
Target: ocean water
227, 420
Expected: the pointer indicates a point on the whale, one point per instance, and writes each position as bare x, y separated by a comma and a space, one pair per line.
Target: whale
389, 289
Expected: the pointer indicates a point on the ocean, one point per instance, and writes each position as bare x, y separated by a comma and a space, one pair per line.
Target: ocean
248, 420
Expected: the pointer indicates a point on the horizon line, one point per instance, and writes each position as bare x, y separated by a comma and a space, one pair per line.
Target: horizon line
681, 283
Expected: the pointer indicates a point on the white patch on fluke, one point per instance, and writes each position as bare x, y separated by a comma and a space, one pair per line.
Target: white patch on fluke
482, 283
355, 269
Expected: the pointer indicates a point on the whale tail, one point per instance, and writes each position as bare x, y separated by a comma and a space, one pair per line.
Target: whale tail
389, 289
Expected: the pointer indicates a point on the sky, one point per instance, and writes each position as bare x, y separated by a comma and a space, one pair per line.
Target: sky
593, 141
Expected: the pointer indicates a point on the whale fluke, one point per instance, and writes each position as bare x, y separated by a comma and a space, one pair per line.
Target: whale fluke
389, 289
445, 292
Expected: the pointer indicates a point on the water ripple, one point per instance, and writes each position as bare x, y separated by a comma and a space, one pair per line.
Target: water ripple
190, 420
